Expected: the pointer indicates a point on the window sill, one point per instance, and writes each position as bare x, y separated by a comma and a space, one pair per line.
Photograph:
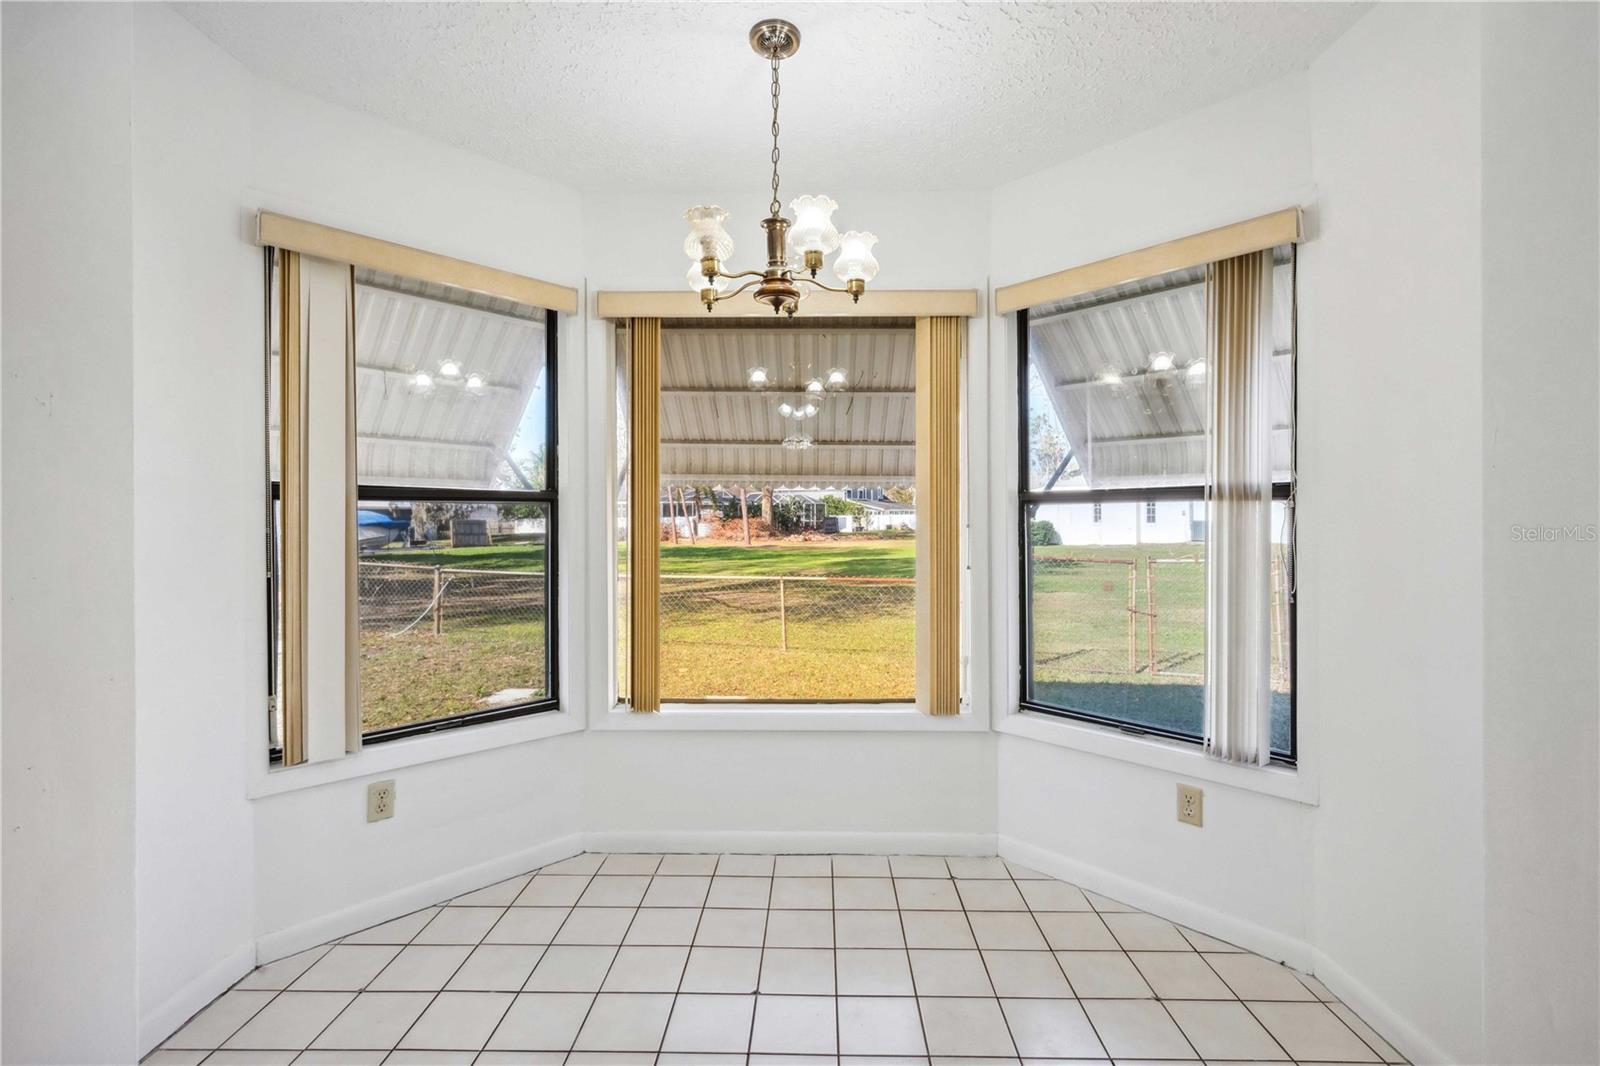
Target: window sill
413, 751
786, 717
1158, 753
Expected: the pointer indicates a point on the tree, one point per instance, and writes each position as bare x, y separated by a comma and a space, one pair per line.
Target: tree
1048, 449
1042, 532
430, 517
834, 505
901, 494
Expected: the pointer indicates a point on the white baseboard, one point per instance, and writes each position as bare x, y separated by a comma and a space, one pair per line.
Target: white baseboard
186, 1002
793, 842
1197, 916
319, 930
1406, 1037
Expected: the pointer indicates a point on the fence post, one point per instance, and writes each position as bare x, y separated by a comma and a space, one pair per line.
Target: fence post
1133, 622
1150, 608
783, 618
438, 601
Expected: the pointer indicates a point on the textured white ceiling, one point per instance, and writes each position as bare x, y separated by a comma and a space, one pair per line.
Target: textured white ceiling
661, 95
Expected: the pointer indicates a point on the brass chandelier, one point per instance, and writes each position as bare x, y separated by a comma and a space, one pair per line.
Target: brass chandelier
808, 239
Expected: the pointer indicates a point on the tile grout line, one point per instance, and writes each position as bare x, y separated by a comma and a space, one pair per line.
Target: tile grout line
1076, 998
687, 954
617, 950
905, 946
1120, 947
955, 885
501, 1020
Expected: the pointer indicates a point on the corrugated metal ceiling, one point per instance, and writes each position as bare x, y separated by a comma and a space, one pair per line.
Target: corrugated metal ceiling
715, 430
1149, 427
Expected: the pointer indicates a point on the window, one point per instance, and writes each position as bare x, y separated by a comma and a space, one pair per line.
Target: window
452, 511
778, 581
1115, 419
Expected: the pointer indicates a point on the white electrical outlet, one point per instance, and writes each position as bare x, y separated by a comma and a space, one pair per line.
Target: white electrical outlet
380, 801
1191, 805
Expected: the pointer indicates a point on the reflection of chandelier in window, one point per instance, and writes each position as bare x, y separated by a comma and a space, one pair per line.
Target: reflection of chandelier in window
801, 402
450, 375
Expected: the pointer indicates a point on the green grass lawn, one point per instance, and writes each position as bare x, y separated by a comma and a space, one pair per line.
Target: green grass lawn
512, 556
725, 640
417, 676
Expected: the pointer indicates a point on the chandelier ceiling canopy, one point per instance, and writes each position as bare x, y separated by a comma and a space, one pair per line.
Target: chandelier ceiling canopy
808, 239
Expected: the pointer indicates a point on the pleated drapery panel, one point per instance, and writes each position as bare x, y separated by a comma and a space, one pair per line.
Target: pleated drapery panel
1238, 699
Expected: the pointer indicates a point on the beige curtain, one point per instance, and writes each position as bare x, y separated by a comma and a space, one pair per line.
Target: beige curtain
939, 344
644, 528
1238, 582
321, 649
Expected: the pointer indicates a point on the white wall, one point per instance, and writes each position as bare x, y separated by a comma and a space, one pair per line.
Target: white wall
1540, 396
137, 155
459, 823
69, 431
1445, 878
1391, 289
1240, 158
196, 517
791, 791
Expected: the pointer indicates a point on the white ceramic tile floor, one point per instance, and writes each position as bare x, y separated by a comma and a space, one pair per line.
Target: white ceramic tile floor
761, 960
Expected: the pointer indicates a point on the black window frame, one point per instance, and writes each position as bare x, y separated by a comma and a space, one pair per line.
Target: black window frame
548, 497
1029, 498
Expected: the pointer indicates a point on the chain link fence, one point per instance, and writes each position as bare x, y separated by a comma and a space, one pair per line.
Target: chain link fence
1135, 618
438, 641
397, 598
778, 638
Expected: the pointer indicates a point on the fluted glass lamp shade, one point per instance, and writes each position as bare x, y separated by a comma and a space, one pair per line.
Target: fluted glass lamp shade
707, 237
813, 229
855, 261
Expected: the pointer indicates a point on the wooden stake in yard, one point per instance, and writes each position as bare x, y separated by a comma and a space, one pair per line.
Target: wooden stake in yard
672, 513
744, 513
1133, 625
1150, 608
783, 618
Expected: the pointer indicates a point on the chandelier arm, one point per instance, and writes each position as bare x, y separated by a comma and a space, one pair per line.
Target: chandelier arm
734, 292
758, 274
822, 285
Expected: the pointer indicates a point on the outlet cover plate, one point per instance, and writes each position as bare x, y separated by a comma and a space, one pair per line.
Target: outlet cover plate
380, 800
1191, 805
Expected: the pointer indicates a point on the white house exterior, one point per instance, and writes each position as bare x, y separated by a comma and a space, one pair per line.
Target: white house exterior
1128, 522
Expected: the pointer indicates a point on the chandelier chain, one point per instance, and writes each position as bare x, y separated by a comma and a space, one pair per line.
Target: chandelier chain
776, 204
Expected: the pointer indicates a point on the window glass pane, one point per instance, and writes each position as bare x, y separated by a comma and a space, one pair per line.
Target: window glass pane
1116, 387
820, 464
1117, 384
1282, 630
453, 599
451, 387
1117, 620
